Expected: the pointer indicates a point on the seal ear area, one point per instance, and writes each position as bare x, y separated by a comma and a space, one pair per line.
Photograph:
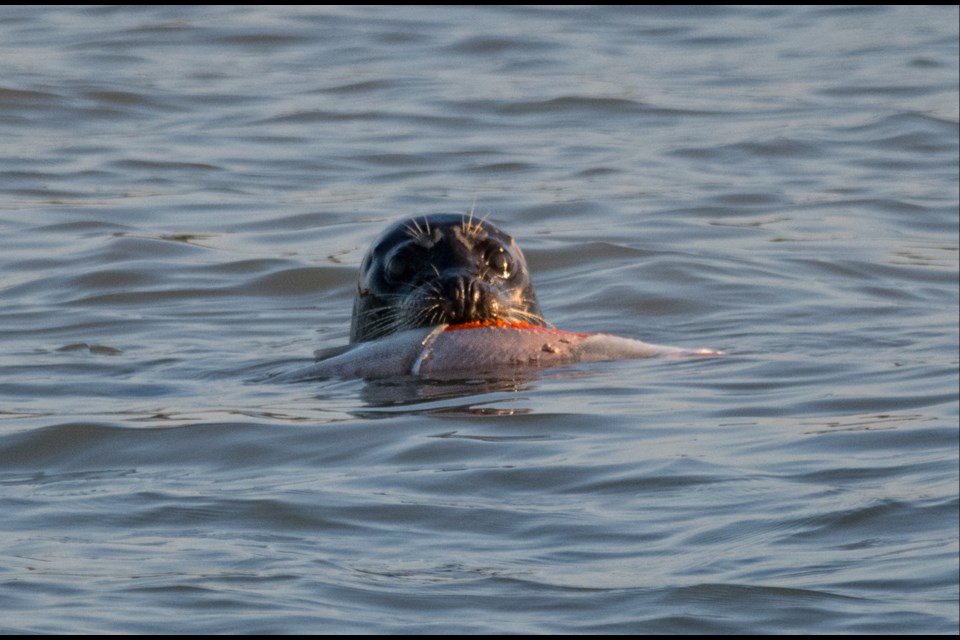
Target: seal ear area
363, 284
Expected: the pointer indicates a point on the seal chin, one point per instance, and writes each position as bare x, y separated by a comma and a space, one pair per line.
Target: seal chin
442, 269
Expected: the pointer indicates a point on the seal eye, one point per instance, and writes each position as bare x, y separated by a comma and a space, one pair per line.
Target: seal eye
499, 262
402, 265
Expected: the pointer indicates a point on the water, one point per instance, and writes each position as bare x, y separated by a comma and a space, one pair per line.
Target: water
187, 193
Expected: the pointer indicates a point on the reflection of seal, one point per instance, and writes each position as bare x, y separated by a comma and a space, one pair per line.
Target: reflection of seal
442, 269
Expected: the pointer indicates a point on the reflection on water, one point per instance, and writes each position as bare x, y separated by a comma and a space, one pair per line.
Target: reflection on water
188, 193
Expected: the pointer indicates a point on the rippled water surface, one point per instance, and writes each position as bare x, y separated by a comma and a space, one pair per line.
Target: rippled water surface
185, 197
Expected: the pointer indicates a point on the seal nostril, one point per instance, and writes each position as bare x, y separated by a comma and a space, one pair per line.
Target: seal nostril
465, 299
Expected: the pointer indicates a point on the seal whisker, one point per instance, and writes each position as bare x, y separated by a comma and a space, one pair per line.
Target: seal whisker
415, 231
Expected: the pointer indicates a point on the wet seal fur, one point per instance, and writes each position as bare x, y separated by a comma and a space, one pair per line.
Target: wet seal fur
442, 269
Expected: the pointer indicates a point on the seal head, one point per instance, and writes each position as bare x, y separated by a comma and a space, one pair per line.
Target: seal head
442, 269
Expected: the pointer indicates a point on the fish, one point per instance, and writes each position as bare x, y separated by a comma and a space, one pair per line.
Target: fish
478, 347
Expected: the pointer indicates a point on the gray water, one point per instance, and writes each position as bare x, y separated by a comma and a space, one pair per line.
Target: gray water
185, 197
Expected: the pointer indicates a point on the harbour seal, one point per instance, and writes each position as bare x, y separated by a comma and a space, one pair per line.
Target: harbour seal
446, 296
442, 269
